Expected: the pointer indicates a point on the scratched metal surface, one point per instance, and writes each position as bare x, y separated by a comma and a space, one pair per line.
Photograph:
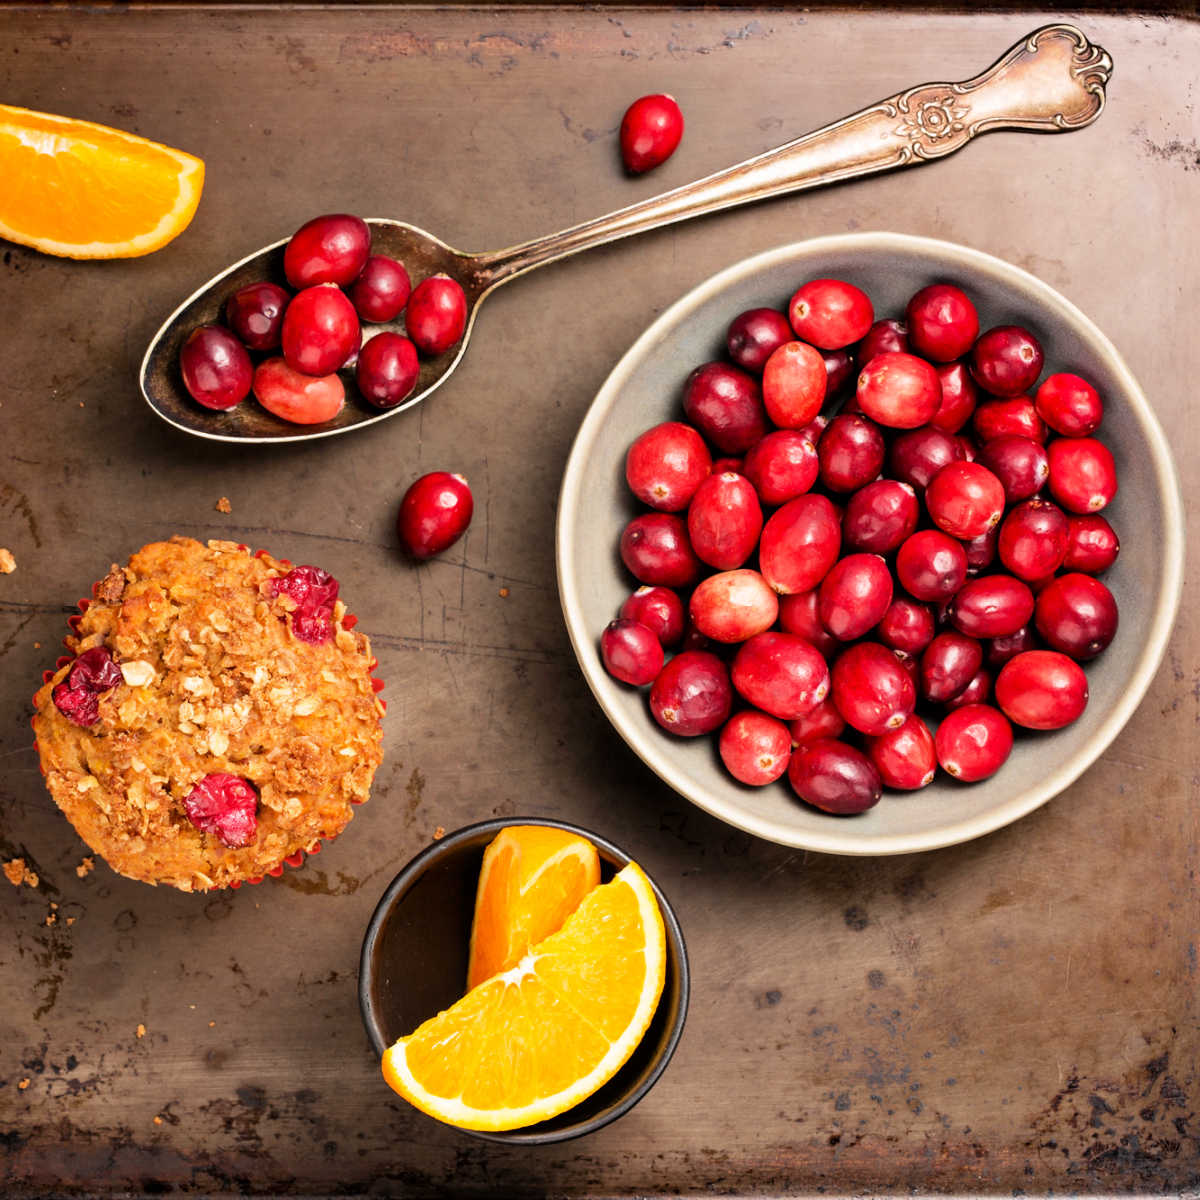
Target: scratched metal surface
1017, 1014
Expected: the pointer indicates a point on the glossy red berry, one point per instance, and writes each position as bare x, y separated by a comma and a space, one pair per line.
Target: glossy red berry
959, 397
726, 405
724, 520
328, 249
1077, 615
973, 742
830, 313
754, 335
320, 330
659, 609
931, 565
782, 674
1033, 540
782, 466
899, 391
871, 688
794, 380
965, 499
949, 663
381, 290
1006, 360
387, 369
255, 314
942, 322
665, 465
880, 516
1083, 475
656, 550
732, 606
434, 513
916, 456
991, 606
905, 757
850, 452
834, 777
799, 614
1012, 417
215, 367
651, 130
436, 315
1042, 689
888, 336
755, 747
824, 721
907, 627
1092, 544
1069, 405
631, 652
854, 596
799, 543
692, 694
1020, 463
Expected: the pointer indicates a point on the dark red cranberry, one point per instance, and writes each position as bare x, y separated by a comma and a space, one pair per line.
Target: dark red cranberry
329, 249
840, 369
981, 551
830, 313
978, 691
1092, 546
834, 777
1006, 360
942, 322
692, 694
880, 516
1001, 649
949, 663
1020, 463
782, 674
320, 330
296, 397
215, 367
659, 609
436, 315
313, 594
1042, 689
905, 757
754, 335
931, 565
1083, 476
693, 639
798, 614
854, 596
900, 391
991, 606
850, 452
793, 385
725, 404
959, 397
965, 499
973, 742
78, 696
732, 606
724, 520
381, 290
225, 805
387, 369
631, 652
782, 466
917, 456
1076, 614
656, 550
755, 748
871, 688
907, 627
967, 447
1014, 417
255, 314
435, 513
666, 464
1033, 539
651, 130
884, 337
1069, 405
824, 721
799, 543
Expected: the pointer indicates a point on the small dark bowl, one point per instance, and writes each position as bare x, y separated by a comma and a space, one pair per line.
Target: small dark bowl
414, 964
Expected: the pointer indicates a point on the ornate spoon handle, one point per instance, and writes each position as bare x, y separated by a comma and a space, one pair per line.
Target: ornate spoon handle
1051, 81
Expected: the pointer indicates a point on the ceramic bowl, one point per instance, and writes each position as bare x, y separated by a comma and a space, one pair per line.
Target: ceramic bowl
645, 388
414, 964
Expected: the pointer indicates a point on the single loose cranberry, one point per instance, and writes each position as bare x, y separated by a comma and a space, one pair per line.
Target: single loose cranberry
329, 249
1006, 360
991, 606
1069, 405
840, 369
793, 385
916, 456
973, 742
732, 606
884, 337
436, 314
907, 627
313, 594
959, 397
781, 673
978, 691
850, 452
1001, 649
724, 520
692, 694
942, 322
854, 596
824, 721
659, 609
782, 466
799, 614
981, 551
1020, 463
381, 290
1076, 614
215, 367
666, 464
965, 499
1092, 545
880, 516
1042, 689
755, 748
1013, 417
387, 369
949, 663
631, 652
799, 543
1083, 475
651, 130
725, 404
754, 335
900, 391
294, 396
830, 313
872, 689
834, 777
1033, 539
434, 513
905, 757
225, 805
320, 330
931, 565
656, 550
255, 314
77, 697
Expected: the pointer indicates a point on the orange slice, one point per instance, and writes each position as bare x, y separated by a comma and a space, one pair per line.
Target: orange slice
533, 877
537, 1039
81, 190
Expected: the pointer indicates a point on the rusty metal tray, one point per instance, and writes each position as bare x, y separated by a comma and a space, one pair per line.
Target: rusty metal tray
1014, 1015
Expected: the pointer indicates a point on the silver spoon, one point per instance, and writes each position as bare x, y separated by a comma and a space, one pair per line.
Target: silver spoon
1051, 81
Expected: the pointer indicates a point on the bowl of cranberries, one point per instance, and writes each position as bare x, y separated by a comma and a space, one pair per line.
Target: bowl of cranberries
870, 544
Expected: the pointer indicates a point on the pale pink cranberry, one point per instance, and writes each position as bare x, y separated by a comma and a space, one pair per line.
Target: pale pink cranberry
732, 606
293, 396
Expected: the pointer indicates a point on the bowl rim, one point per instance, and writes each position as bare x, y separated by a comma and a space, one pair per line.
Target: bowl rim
416, 867
838, 840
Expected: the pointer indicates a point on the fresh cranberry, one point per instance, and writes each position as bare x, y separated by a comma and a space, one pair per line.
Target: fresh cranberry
880, 516
754, 335
691, 695
724, 520
824, 721
1083, 476
942, 322
78, 696
834, 777
799, 543
659, 609
968, 450
435, 513
755, 748
981, 551
656, 550
884, 337
991, 606
965, 499
905, 757
1001, 649
959, 397
830, 313
296, 397
900, 391
782, 466
815, 428
651, 130
381, 290
320, 330
854, 596
313, 593
1069, 405
215, 367
871, 688
1092, 545
387, 369
907, 627
725, 404
631, 652
693, 639
1033, 539
978, 691
1006, 360
1042, 689
793, 385
782, 674
436, 314
1020, 463
931, 566
949, 663
840, 369
666, 464
850, 452
255, 314
1013, 417
225, 805
917, 456
973, 742
329, 249
1076, 614
732, 606
799, 614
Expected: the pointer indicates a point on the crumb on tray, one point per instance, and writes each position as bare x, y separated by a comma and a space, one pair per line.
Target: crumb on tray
223, 505
8, 564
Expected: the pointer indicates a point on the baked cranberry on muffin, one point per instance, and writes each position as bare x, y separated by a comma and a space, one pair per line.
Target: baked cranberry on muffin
217, 716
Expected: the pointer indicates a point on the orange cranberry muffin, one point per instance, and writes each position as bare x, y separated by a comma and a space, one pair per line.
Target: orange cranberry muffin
218, 716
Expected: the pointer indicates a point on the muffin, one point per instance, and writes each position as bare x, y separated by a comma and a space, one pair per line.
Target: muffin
217, 718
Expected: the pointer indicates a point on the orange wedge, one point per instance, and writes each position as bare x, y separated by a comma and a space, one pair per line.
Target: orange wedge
537, 1039
81, 190
533, 877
